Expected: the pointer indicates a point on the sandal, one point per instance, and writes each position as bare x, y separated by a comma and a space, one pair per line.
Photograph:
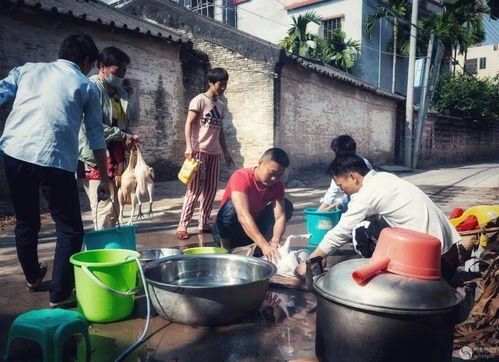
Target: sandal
69, 302
182, 235
34, 287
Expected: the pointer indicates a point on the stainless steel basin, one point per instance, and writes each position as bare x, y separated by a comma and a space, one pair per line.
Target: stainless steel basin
209, 289
147, 255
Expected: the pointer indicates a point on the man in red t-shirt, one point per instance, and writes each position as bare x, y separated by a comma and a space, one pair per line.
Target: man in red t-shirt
253, 209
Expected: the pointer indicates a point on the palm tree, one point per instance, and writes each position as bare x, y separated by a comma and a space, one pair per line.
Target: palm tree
338, 51
341, 52
393, 10
459, 27
299, 41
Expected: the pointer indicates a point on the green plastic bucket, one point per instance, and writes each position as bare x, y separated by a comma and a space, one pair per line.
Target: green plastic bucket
320, 222
206, 250
121, 237
106, 282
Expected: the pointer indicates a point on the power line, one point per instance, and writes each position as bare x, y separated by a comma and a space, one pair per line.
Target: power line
402, 20
251, 12
489, 30
391, 54
492, 29
281, 3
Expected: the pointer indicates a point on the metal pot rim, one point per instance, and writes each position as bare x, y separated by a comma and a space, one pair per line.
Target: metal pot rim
374, 308
249, 259
148, 260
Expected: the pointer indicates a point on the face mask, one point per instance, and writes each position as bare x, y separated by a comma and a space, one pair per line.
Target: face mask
114, 80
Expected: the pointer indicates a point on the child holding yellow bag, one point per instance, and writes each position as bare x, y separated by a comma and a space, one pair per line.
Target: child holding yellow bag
205, 141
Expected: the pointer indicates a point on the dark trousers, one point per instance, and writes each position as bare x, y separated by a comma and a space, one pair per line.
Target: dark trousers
229, 226
60, 189
367, 237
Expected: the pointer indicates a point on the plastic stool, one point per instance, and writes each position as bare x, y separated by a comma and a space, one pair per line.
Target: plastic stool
50, 328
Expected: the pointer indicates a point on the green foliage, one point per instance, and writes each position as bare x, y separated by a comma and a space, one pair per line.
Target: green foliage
390, 9
338, 52
465, 96
459, 27
341, 52
299, 41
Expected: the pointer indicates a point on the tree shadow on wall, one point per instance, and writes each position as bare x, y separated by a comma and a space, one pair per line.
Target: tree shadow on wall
233, 144
164, 169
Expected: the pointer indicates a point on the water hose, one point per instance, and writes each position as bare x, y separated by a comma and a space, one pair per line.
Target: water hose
139, 341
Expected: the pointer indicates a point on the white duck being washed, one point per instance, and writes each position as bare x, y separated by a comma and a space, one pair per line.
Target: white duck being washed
289, 260
137, 184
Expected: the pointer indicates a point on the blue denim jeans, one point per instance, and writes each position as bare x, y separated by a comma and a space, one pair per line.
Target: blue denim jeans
228, 226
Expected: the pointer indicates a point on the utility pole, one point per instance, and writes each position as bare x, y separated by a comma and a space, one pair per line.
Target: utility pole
409, 113
423, 102
423, 109
379, 52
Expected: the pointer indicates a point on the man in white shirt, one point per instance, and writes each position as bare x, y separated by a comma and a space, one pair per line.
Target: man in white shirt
39, 146
395, 202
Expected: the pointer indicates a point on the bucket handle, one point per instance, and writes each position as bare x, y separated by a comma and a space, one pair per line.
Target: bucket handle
104, 286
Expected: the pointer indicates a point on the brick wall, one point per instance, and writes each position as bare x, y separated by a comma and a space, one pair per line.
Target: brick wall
250, 62
454, 140
155, 76
249, 117
315, 109
269, 105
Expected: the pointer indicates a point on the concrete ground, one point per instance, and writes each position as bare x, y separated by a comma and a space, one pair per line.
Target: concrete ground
283, 328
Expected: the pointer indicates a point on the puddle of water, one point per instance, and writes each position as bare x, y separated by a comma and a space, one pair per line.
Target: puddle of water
282, 329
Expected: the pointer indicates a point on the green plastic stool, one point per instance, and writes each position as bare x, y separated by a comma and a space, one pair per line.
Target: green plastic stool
50, 328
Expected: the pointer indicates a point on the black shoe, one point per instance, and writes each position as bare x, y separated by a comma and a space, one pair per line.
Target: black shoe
35, 287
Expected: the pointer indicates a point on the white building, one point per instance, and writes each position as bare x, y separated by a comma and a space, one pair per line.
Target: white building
481, 60
270, 20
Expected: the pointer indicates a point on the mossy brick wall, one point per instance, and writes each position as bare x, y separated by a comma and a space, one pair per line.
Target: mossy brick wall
154, 76
314, 109
448, 140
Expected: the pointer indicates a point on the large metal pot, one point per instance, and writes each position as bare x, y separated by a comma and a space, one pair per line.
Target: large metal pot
209, 289
391, 318
147, 255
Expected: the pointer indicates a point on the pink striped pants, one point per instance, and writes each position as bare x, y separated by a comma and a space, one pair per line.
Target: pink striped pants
203, 184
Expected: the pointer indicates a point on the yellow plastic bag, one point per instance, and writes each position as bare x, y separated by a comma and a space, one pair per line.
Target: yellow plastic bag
188, 170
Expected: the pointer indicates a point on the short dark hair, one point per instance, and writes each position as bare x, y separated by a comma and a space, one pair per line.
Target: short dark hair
343, 145
342, 165
277, 155
112, 56
77, 47
218, 75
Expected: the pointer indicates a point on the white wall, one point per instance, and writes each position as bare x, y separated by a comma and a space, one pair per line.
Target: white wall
267, 19
486, 51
